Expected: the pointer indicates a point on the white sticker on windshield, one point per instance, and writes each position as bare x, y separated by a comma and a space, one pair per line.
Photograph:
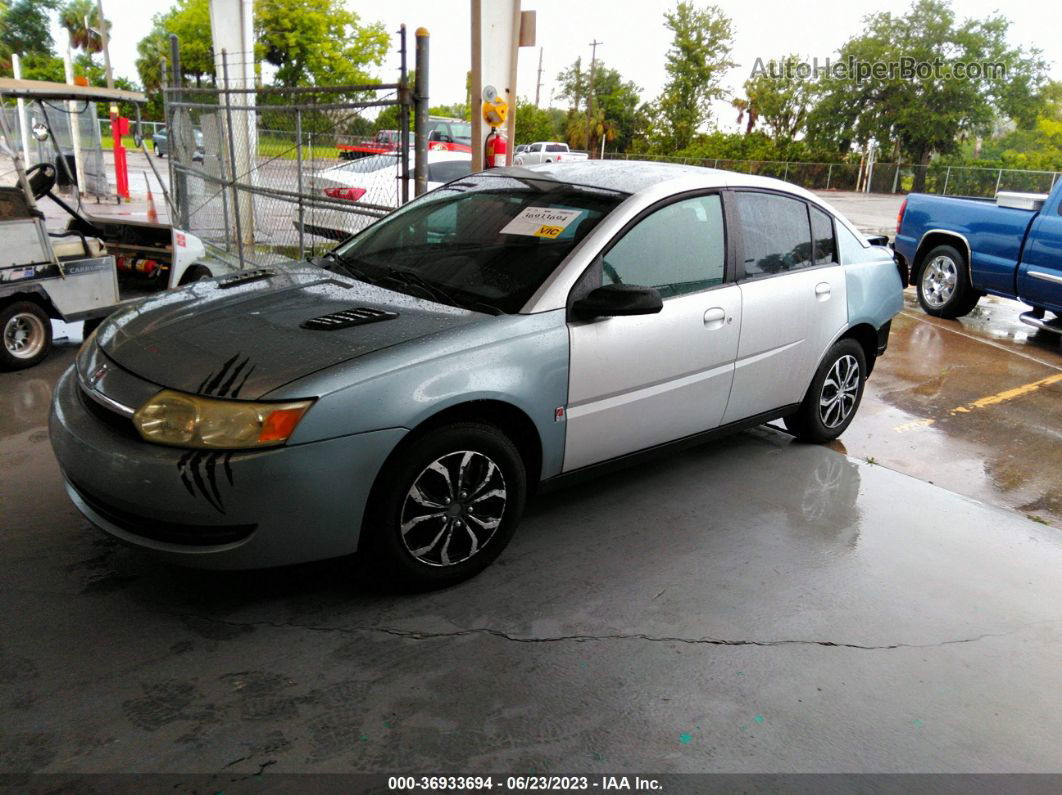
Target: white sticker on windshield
540, 222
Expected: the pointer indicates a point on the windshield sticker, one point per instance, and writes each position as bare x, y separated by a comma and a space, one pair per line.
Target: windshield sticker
540, 222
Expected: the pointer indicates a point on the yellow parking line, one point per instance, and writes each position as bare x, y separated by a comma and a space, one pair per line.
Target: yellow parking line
1009, 394
990, 400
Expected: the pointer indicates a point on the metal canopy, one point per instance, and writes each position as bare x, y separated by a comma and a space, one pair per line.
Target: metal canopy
42, 89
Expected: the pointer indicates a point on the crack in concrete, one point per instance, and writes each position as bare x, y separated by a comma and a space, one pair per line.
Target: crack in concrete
497, 633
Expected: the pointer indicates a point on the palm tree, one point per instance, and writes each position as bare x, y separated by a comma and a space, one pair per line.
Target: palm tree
81, 20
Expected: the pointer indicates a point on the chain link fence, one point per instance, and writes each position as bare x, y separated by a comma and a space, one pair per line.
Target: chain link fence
880, 177
258, 173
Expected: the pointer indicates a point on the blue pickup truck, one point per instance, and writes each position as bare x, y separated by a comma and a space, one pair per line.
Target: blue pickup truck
958, 249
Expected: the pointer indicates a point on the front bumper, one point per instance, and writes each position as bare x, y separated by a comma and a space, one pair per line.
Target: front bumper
215, 509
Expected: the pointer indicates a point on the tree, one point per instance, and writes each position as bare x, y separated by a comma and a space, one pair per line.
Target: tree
190, 21
533, 123
81, 20
318, 42
696, 64
779, 95
617, 112
24, 28
931, 111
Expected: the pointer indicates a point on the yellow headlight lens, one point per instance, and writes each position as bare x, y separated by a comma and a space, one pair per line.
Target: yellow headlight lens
181, 420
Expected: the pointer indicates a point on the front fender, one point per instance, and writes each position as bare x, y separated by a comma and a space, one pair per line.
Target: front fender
521, 360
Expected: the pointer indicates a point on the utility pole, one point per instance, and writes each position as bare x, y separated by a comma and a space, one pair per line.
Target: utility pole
538, 86
590, 93
106, 44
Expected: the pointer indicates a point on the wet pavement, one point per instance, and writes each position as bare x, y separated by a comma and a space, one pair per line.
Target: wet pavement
751, 605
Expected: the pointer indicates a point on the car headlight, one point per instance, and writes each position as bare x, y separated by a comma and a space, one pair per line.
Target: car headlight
184, 420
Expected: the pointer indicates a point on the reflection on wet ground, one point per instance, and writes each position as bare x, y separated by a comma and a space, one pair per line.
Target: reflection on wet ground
970, 405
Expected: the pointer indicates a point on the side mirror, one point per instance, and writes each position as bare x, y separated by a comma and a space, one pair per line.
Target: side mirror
40, 131
618, 300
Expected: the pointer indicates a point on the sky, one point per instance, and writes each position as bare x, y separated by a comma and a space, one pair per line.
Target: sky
632, 31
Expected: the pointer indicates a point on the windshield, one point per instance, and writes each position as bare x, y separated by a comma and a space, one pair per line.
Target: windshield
487, 242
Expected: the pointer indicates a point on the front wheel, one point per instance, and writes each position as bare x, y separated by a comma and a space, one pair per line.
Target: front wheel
834, 395
27, 335
944, 288
445, 506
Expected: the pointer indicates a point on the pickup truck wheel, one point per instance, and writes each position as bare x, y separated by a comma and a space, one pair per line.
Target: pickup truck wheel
445, 506
943, 284
27, 335
834, 395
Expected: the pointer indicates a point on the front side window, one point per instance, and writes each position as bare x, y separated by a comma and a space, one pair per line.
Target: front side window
486, 242
678, 249
775, 233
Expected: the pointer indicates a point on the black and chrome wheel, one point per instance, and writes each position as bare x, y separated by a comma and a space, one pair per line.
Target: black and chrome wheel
27, 335
446, 505
833, 397
453, 508
943, 284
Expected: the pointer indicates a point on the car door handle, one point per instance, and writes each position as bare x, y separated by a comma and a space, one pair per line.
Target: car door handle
715, 317
823, 290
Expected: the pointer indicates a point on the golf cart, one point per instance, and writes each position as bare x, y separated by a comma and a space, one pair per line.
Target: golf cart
67, 275
73, 274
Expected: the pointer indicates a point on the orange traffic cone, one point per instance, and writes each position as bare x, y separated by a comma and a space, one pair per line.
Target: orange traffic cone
153, 215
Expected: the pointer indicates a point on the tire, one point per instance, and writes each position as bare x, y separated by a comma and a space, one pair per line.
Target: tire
158, 152
27, 335
195, 273
819, 421
90, 326
419, 529
943, 284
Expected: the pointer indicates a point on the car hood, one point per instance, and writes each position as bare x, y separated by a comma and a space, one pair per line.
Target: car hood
246, 339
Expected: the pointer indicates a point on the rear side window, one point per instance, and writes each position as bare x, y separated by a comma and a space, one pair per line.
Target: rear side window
822, 234
775, 233
449, 170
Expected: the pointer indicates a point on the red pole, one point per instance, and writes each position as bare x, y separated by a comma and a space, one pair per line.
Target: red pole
119, 126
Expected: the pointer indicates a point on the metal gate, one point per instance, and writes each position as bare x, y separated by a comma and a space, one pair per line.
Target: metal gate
265, 174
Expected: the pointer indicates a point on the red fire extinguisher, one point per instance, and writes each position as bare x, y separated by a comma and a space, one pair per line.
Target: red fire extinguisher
495, 149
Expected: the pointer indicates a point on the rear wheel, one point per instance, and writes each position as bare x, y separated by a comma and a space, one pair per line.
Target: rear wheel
158, 152
943, 284
27, 335
834, 395
445, 506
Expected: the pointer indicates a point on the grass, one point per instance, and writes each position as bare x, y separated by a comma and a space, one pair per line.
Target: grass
127, 141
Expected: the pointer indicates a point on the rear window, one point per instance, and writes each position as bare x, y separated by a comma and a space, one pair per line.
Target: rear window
556, 148
487, 241
367, 165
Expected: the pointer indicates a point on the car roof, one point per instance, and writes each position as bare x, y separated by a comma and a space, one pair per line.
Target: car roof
638, 176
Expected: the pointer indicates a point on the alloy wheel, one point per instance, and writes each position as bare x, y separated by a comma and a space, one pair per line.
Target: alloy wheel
24, 335
839, 391
453, 508
939, 280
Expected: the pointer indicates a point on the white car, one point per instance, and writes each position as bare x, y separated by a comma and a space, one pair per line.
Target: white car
547, 152
357, 192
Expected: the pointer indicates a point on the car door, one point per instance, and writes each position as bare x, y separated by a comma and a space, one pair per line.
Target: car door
1040, 272
640, 381
793, 299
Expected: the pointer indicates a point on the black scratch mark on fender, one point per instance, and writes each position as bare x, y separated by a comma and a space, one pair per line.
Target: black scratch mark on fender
232, 377
236, 391
198, 471
211, 387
